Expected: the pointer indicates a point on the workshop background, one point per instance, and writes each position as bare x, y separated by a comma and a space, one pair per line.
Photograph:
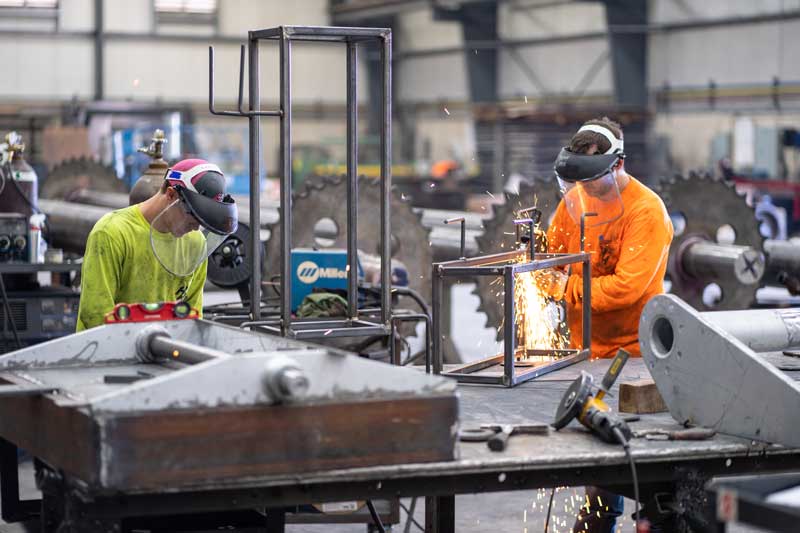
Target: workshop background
484, 95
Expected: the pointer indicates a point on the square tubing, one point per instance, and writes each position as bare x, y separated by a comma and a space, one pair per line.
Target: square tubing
386, 182
352, 180
286, 182
509, 331
586, 308
436, 312
254, 130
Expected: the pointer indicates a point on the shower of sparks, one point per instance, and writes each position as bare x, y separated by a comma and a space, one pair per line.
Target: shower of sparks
537, 316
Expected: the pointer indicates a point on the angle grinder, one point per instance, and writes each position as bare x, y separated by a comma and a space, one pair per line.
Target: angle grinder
590, 409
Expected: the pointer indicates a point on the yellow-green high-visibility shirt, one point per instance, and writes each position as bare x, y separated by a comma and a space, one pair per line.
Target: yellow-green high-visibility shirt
119, 267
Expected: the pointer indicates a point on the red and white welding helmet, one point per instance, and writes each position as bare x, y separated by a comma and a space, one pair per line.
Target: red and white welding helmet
189, 229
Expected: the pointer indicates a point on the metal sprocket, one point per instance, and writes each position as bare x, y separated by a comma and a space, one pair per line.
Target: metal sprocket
499, 236
71, 176
327, 198
704, 206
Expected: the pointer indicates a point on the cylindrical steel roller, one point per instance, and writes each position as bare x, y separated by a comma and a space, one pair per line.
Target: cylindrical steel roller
163, 347
768, 330
782, 256
154, 344
69, 224
706, 260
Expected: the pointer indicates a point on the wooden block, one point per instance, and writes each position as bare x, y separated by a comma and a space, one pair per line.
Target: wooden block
640, 397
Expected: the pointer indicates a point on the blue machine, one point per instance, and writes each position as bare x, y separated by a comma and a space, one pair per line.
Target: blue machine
327, 269
318, 269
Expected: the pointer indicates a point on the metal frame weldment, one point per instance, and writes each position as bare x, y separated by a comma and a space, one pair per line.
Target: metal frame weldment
286, 326
508, 265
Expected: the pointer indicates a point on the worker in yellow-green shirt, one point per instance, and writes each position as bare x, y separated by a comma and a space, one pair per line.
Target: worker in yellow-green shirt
157, 251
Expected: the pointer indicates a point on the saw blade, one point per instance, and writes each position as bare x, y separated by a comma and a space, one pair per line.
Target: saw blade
69, 177
326, 198
703, 206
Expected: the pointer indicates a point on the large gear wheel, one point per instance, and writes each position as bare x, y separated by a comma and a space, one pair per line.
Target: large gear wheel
67, 179
499, 236
703, 206
325, 199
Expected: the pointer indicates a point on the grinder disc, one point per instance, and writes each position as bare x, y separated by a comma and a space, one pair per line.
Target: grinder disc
570, 405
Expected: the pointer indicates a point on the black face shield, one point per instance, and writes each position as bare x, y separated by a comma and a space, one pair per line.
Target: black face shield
573, 167
220, 217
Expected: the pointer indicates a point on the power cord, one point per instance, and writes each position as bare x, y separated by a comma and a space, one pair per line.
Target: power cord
376, 519
549, 510
626, 445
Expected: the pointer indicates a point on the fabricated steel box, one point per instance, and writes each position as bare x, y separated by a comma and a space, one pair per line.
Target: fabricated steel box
209, 423
508, 265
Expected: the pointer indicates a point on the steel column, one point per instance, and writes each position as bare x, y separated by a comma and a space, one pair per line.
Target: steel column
352, 179
509, 331
386, 182
436, 315
254, 127
286, 183
99, 50
440, 514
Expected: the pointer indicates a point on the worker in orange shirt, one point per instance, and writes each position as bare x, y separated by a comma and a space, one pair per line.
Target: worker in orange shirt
628, 239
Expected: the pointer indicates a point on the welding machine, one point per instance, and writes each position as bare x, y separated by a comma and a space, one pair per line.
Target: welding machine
327, 269
13, 237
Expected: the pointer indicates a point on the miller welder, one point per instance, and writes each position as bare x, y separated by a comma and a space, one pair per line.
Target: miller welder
326, 270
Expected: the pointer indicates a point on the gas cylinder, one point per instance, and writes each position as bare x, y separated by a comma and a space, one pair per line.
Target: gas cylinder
19, 187
148, 184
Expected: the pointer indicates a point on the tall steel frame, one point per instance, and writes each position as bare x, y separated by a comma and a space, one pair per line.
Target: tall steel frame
285, 325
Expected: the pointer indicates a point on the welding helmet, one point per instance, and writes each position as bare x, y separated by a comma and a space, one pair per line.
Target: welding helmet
588, 182
191, 227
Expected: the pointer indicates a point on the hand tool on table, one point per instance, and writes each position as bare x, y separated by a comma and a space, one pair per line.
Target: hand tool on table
496, 435
675, 434
590, 410
499, 441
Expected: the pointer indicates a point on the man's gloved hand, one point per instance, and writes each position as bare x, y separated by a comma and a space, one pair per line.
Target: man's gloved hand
552, 282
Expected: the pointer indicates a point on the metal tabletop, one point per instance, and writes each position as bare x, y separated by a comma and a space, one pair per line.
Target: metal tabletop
571, 456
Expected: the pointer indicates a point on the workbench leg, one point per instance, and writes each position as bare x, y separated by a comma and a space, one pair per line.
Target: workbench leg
440, 514
276, 520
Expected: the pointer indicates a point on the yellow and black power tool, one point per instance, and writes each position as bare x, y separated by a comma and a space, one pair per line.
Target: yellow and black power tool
590, 409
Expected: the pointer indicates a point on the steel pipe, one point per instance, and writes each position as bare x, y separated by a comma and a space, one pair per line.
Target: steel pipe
163, 347
710, 261
769, 330
782, 256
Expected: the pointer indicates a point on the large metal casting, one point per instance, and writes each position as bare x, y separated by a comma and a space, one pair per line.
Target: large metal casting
286, 325
170, 404
711, 369
508, 265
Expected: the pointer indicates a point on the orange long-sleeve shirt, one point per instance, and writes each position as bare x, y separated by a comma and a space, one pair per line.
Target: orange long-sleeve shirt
629, 259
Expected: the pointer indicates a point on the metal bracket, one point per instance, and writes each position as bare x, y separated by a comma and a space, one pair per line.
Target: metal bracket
241, 112
462, 255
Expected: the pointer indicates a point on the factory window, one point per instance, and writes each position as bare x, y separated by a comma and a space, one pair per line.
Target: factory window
39, 4
186, 12
32, 15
